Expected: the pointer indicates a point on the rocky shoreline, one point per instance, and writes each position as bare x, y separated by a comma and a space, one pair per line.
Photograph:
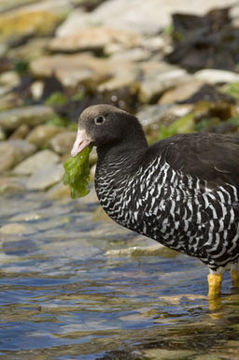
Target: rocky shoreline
176, 73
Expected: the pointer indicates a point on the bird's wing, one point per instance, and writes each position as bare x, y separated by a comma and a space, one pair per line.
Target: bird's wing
212, 157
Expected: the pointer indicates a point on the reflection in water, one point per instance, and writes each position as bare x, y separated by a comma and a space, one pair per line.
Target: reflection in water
63, 296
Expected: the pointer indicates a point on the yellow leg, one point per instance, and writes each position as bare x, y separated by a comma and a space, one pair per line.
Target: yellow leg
235, 277
214, 285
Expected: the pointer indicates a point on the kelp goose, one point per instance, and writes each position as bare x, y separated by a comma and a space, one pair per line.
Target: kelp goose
182, 191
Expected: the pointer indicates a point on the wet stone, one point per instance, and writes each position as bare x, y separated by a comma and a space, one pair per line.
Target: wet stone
13, 228
36, 162
28, 115
45, 177
10, 185
13, 152
163, 354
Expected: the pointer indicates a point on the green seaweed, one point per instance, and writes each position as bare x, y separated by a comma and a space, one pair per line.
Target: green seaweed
77, 173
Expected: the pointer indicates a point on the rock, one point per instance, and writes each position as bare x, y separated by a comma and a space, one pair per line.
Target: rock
13, 228
18, 24
41, 135
9, 185
122, 15
28, 115
163, 354
33, 49
2, 134
20, 133
59, 191
36, 162
72, 70
10, 79
10, 100
181, 92
125, 76
158, 77
14, 151
151, 115
135, 54
6, 5
62, 143
37, 89
213, 76
45, 177
94, 38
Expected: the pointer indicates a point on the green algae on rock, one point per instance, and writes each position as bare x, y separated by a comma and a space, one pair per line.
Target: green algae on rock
77, 173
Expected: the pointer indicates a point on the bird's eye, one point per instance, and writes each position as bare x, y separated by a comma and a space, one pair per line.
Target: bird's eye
99, 120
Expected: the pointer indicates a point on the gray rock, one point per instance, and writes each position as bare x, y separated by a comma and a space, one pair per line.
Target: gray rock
36, 162
41, 135
151, 115
62, 143
146, 17
13, 152
10, 79
29, 115
158, 77
93, 38
181, 92
2, 134
20, 132
10, 185
45, 177
72, 70
214, 76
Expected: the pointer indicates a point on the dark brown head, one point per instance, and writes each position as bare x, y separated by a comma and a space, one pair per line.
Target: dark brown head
106, 125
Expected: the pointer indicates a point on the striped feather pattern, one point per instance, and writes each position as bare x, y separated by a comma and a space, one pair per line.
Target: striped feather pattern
176, 209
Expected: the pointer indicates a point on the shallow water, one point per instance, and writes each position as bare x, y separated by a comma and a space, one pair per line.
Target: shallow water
63, 296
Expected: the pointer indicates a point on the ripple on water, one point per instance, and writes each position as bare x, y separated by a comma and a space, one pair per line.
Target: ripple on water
64, 295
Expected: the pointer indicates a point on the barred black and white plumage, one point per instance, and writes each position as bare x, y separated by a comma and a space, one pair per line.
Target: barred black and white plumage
182, 191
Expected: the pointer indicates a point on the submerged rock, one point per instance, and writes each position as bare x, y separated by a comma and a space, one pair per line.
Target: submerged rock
13, 152
28, 115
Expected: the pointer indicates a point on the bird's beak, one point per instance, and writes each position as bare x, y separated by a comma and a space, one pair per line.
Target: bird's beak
81, 141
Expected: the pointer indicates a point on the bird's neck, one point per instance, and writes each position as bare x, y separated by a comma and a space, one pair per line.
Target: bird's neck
124, 156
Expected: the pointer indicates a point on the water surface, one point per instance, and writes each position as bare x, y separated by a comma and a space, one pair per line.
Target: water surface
64, 296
